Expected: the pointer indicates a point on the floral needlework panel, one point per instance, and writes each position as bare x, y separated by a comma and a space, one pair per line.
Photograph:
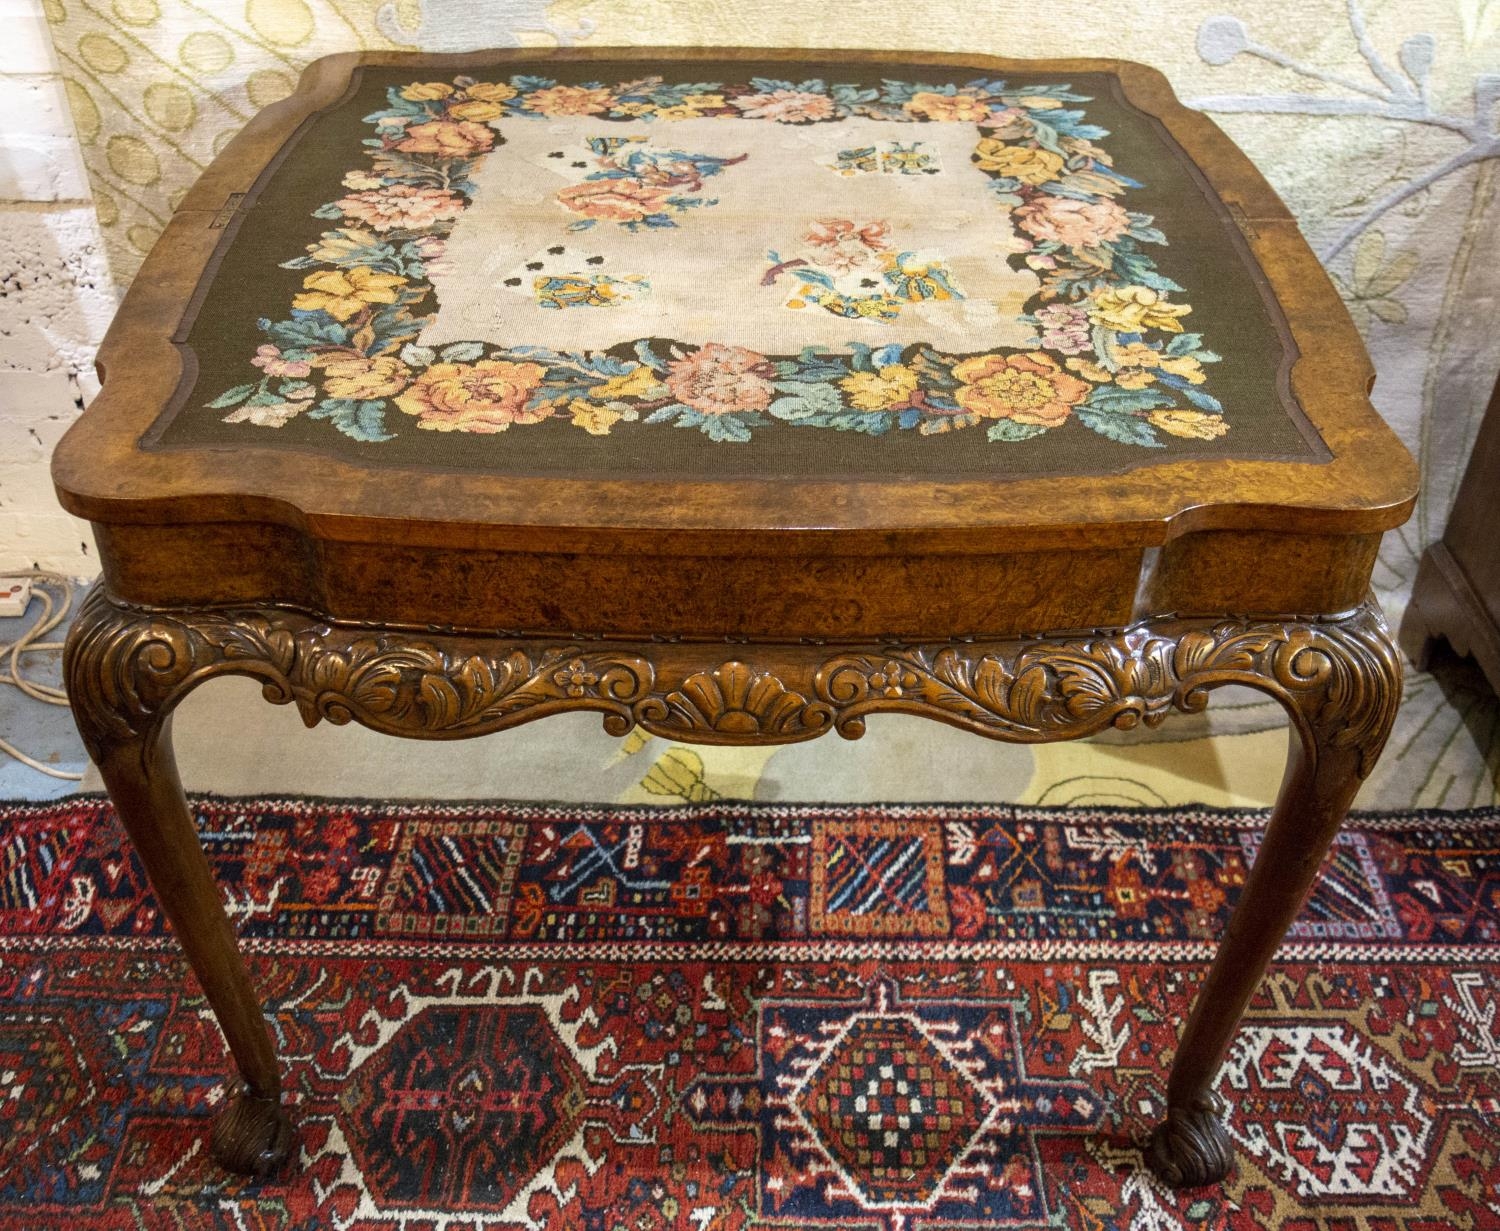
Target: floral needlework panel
739, 275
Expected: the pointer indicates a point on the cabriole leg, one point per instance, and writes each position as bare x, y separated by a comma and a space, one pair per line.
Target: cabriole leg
1341, 690
115, 668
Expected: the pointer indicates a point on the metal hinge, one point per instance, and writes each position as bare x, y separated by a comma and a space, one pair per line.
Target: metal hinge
1241, 219
227, 211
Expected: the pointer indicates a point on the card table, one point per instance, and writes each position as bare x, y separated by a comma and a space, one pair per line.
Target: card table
735, 396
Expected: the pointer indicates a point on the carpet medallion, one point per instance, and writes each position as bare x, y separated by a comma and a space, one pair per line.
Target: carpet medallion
727, 1016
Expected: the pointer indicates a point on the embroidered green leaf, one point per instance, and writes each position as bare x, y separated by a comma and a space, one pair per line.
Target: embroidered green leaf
1127, 429
231, 397
726, 428
415, 356
1200, 398
1009, 429
809, 400
1185, 344
309, 329
360, 420
462, 352
1111, 399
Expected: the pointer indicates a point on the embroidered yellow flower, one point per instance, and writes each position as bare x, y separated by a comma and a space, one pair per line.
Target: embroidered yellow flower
1130, 309
1184, 366
951, 107
426, 91
486, 397
1135, 362
490, 91
1188, 424
345, 293
569, 100
595, 420
691, 107
1030, 166
479, 110
639, 382
891, 385
1090, 370
336, 247
364, 379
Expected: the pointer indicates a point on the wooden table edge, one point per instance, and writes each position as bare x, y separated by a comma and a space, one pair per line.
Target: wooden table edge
102, 475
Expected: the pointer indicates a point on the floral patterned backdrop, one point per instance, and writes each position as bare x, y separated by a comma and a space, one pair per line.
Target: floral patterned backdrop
1376, 120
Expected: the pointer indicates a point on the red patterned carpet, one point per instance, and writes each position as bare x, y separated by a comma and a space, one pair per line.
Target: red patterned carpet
727, 1016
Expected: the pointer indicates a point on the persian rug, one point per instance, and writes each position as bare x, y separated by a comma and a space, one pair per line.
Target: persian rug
893, 1018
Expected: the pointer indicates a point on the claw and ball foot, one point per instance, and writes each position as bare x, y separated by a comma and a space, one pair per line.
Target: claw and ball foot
1190, 1148
252, 1135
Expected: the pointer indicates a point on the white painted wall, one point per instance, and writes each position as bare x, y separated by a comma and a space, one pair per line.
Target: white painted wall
56, 296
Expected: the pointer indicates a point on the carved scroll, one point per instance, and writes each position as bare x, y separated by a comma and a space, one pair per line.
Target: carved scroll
1339, 679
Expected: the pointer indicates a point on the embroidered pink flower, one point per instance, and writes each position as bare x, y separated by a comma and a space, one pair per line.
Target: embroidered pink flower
1072, 223
949, 107
719, 380
786, 106
568, 100
268, 358
448, 138
842, 245
1065, 328
617, 200
401, 206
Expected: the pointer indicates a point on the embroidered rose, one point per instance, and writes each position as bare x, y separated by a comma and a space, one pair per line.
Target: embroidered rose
1022, 162
487, 396
568, 100
887, 387
949, 107
1131, 309
268, 359
490, 91
1008, 123
1188, 424
345, 293
448, 138
401, 207
479, 110
365, 379
1065, 328
842, 245
786, 106
719, 380
1029, 388
615, 200
426, 91
1072, 223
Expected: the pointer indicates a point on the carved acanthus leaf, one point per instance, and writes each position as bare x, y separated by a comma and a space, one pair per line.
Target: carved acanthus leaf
1339, 679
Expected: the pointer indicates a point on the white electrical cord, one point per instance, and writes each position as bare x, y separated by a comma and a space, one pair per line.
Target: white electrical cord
54, 612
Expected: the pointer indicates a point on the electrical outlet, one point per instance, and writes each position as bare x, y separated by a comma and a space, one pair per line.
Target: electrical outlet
15, 595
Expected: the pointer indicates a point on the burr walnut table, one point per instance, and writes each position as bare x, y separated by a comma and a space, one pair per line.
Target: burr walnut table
736, 396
